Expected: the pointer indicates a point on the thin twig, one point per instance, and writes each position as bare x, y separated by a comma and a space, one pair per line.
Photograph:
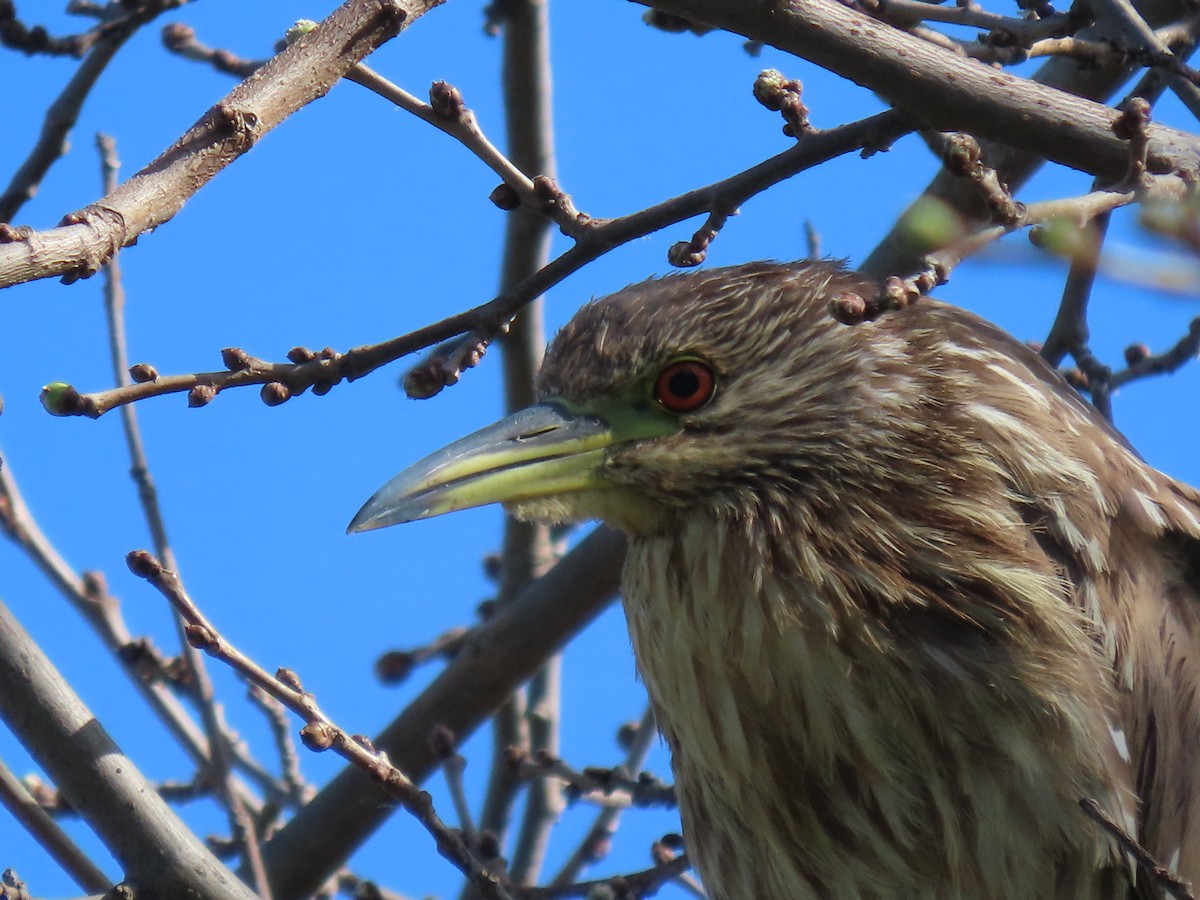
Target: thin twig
503, 653
1070, 328
181, 40
1130, 27
320, 732
596, 783
62, 114
453, 767
905, 13
896, 292
636, 884
88, 595
596, 842
299, 790
322, 371
527, 550
48, 834
1184, 350
220, 769
297, 76
1163, 877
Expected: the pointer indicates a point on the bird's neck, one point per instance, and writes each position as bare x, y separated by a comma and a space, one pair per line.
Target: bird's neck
778, 692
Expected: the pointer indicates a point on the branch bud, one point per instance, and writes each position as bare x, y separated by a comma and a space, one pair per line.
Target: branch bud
505, 198
140, 373
60, 399
235, 358
317, 736
201, 394
446, 100
275, 392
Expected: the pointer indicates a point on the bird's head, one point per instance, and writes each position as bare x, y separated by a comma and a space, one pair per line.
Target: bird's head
705, 389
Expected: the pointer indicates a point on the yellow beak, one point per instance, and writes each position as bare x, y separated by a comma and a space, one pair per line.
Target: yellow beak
540, 451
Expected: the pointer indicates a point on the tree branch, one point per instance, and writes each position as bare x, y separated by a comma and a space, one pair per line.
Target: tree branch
320, 733
321, 371
300, 74
500, 655
47, 832
940, 89
160, 855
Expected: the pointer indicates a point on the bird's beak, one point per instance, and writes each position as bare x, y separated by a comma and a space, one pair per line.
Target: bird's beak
541, 451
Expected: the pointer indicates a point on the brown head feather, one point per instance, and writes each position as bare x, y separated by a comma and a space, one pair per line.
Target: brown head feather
903, 600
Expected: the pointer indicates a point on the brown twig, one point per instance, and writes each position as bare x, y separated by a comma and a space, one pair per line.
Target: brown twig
453, 767
89, 596
299, 790
320, 732
502, 654
114, 18
531, 717
906, 13
300, 74
1163, 877
531, 186
322, 371
220, 769
101, 45
596, 842
1144, 365
362, 889
963, 158
181, 40
1132, 124
395, 666
1130, 28
49, 835
594, 783
1071, 213
625, 887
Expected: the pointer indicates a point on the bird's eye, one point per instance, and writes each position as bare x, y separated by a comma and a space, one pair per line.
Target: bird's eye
684, 386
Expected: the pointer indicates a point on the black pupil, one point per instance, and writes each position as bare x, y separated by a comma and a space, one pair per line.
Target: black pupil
683, 384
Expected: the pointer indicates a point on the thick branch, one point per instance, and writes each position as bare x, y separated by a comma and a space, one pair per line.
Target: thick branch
940, 89
500, 656
901, 250
160, 855
300, 74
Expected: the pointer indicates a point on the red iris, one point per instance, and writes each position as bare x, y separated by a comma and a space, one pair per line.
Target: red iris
684, 386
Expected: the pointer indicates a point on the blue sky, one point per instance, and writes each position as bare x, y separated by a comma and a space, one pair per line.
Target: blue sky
354, 222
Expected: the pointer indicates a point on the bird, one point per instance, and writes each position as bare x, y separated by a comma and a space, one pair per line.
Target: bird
903, 602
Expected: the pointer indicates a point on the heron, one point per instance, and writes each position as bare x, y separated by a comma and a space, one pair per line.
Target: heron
903, 602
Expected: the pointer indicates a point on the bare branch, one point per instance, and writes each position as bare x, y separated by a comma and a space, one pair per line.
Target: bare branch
322, 371
320, 732
940, 89
26, 810
103, 43
636, 884
89, 596
502, 653
155, 849
1128, 24
181, 40
300, 74
595, 843
1143, 365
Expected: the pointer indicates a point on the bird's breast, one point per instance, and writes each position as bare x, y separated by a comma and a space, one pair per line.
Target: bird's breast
816, 758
